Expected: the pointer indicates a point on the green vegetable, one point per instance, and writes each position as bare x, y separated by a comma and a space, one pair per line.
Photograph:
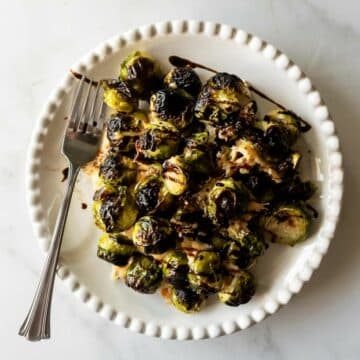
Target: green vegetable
187, 300
171, 106
287, 224
176, 175
226, 199
124, 129
183, 78
153, 235
114, 209
115, 249
237, 289
143, 274
223, 94
142, 72
119, 96
117, 170
205, 271
158, 142
175, 268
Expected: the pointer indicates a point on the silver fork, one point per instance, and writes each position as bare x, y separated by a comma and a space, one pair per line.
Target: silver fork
80, 145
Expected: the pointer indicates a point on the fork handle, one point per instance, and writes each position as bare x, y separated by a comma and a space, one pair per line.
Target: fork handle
36, 325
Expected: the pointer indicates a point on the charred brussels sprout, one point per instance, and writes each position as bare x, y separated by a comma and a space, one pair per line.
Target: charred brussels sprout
187, 300
242, 253
197, 154
175, 268
158, 142
183, 78
226, 199
237, 289
123, 129
114, 209
176, 175
222, 95
142, 72
205, 271
116, 170
281, 130
151, 194
115, 249
170, 105
119, 96
288, 224
143, 274
153, 235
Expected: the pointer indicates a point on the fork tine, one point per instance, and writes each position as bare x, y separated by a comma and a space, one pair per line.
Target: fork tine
75, 105
81, 120
101, 116
91, 118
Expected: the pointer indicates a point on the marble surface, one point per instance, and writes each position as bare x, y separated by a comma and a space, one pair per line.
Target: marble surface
41, 39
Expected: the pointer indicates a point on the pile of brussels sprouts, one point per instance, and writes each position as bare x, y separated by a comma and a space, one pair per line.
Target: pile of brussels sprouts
194, 185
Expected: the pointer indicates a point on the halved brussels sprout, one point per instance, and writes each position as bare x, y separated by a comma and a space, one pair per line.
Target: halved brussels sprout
226, 199
159, 141
176, 175
183, 78
119, 96
142, 72
288, 224
222, 95
237, 289
197, 153
153, 235
115, 249
117, 170
151, 194
123, 129
243, 252
114, 209
170, 105
143, 274
281, 130
205, 271
175, 268
187, 300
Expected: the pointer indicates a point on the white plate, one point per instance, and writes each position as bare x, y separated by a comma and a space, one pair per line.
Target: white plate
280, 273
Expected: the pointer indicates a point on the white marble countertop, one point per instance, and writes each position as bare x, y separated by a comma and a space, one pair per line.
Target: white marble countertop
41, 39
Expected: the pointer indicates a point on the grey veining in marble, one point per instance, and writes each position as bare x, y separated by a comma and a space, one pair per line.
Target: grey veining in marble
41, 39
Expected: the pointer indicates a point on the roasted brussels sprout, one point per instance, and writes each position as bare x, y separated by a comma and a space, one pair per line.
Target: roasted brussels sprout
226, 199
115, 249
142, 72
296, 189
114, 209
158, 142
123, 129
205, 271
287, 224
153, 235
151, 194
175, 268
281, 130
242, 252
197, 153
170, 105
237, 289
116, 170
222, 95
183, 78
143, 274
176, 175
119, 96
187, 300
